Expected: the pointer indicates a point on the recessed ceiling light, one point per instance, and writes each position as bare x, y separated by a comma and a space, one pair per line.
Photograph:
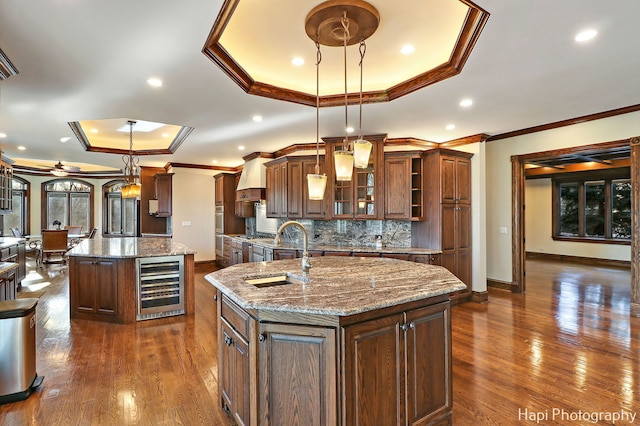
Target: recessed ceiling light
297, 61
214, 161
3, 135
407, 49
65, 139
466, 103
165, 135
155, 82
585, 35
450, 126
22, 148
94, 130
349, 129
241, 147
257, 118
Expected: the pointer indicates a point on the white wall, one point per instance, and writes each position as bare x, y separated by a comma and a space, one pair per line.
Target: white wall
539, 222
498, 175
194, 211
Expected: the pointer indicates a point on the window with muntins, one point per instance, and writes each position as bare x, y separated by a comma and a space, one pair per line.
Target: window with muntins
594, 207
68, 201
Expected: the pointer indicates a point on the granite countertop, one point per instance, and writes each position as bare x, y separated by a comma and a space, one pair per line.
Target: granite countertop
268, 242
337, 285
123, 247
7, 266
10, 241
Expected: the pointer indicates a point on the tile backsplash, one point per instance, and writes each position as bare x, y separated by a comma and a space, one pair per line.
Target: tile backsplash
395, 233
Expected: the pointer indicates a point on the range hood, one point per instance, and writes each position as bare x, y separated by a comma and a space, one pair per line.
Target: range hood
254, 174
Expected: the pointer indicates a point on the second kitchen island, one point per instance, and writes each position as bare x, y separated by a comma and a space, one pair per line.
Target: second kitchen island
359, 341
129, 279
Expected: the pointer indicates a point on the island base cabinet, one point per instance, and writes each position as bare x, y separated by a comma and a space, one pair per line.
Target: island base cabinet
234, 376
94, 288
297, 384
397, 369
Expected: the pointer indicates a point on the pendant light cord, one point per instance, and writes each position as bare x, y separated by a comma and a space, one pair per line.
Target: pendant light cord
347, 36
318, 60
363, 50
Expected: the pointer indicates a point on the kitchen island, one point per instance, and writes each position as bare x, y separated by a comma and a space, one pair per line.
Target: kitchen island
128, 279
357, 341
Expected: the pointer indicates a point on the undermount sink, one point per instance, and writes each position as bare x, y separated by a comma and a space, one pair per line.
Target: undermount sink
273, 280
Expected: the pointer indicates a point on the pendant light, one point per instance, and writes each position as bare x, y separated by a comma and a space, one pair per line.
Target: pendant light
361, 147
131, 189
317, 182
343, 159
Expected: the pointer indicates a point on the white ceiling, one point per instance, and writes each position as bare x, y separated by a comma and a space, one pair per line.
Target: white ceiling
89, 60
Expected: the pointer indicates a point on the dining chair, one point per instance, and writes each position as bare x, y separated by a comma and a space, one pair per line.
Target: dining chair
92, 234
77, 230
54, 242
31, 244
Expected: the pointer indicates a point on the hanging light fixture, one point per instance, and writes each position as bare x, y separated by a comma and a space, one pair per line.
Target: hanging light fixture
361, 147
131, 189
344, 23
344, 158
317, 182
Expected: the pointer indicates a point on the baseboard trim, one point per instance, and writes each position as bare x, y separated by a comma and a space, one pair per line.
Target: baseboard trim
480, 296
579, 259
502, 285
634, 310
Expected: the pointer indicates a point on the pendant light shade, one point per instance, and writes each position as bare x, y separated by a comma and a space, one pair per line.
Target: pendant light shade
131, 189
343, 160
361, 153
317, 184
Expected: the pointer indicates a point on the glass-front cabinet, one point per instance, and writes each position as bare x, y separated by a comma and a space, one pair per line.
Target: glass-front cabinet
362, 196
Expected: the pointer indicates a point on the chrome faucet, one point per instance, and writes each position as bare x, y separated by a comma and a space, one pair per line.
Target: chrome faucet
306, 264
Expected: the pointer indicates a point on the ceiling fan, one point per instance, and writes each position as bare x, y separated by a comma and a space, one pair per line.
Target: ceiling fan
63, 170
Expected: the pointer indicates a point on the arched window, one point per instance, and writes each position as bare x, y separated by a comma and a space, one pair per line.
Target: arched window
119, 215
68, 201
19, 216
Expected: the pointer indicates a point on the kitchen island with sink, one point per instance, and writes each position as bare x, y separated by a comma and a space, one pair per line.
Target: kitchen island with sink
355, 341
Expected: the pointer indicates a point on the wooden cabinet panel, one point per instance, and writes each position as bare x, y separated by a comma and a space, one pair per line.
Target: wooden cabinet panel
372, 372
281, 254
397, 189
276, 191
95, 287
295, 189
312, 209
233, 382
463, 180
6, 196
164, 189
400, 256
427, 367
298, 376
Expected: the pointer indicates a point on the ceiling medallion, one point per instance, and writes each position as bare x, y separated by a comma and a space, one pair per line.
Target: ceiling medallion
324, 22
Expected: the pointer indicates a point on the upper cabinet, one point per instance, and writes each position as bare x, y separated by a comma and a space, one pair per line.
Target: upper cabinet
362, 197
287, 192
6, 177
163, 190
403, 186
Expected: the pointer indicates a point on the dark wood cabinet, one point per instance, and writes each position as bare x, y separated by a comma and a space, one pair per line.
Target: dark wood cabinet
246, 199
363, 196
6, 195
164, 189
276, 191
403, 198
446, 179
282, 254
226, 222
95, 288
415, 345
297, 375
8, 285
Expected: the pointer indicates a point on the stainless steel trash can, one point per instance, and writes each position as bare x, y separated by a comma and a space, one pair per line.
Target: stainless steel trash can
18, 375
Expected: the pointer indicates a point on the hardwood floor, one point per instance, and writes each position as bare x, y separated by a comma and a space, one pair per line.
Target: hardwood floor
567, 344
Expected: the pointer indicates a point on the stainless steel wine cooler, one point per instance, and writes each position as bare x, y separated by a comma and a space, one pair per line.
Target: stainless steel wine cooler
160, 288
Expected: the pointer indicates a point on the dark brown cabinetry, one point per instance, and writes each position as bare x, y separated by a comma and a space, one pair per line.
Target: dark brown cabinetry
415, 345
8, 285
361, 197
446, 178
287, 191
297, 369
246, 199
233, 356
6, 196
95, 289
392, 366
163, 189
403, 197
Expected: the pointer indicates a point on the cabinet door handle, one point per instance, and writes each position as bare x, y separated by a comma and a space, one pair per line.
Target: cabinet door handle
412, 325
228, 340
404, 327
262, 337
215, 297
